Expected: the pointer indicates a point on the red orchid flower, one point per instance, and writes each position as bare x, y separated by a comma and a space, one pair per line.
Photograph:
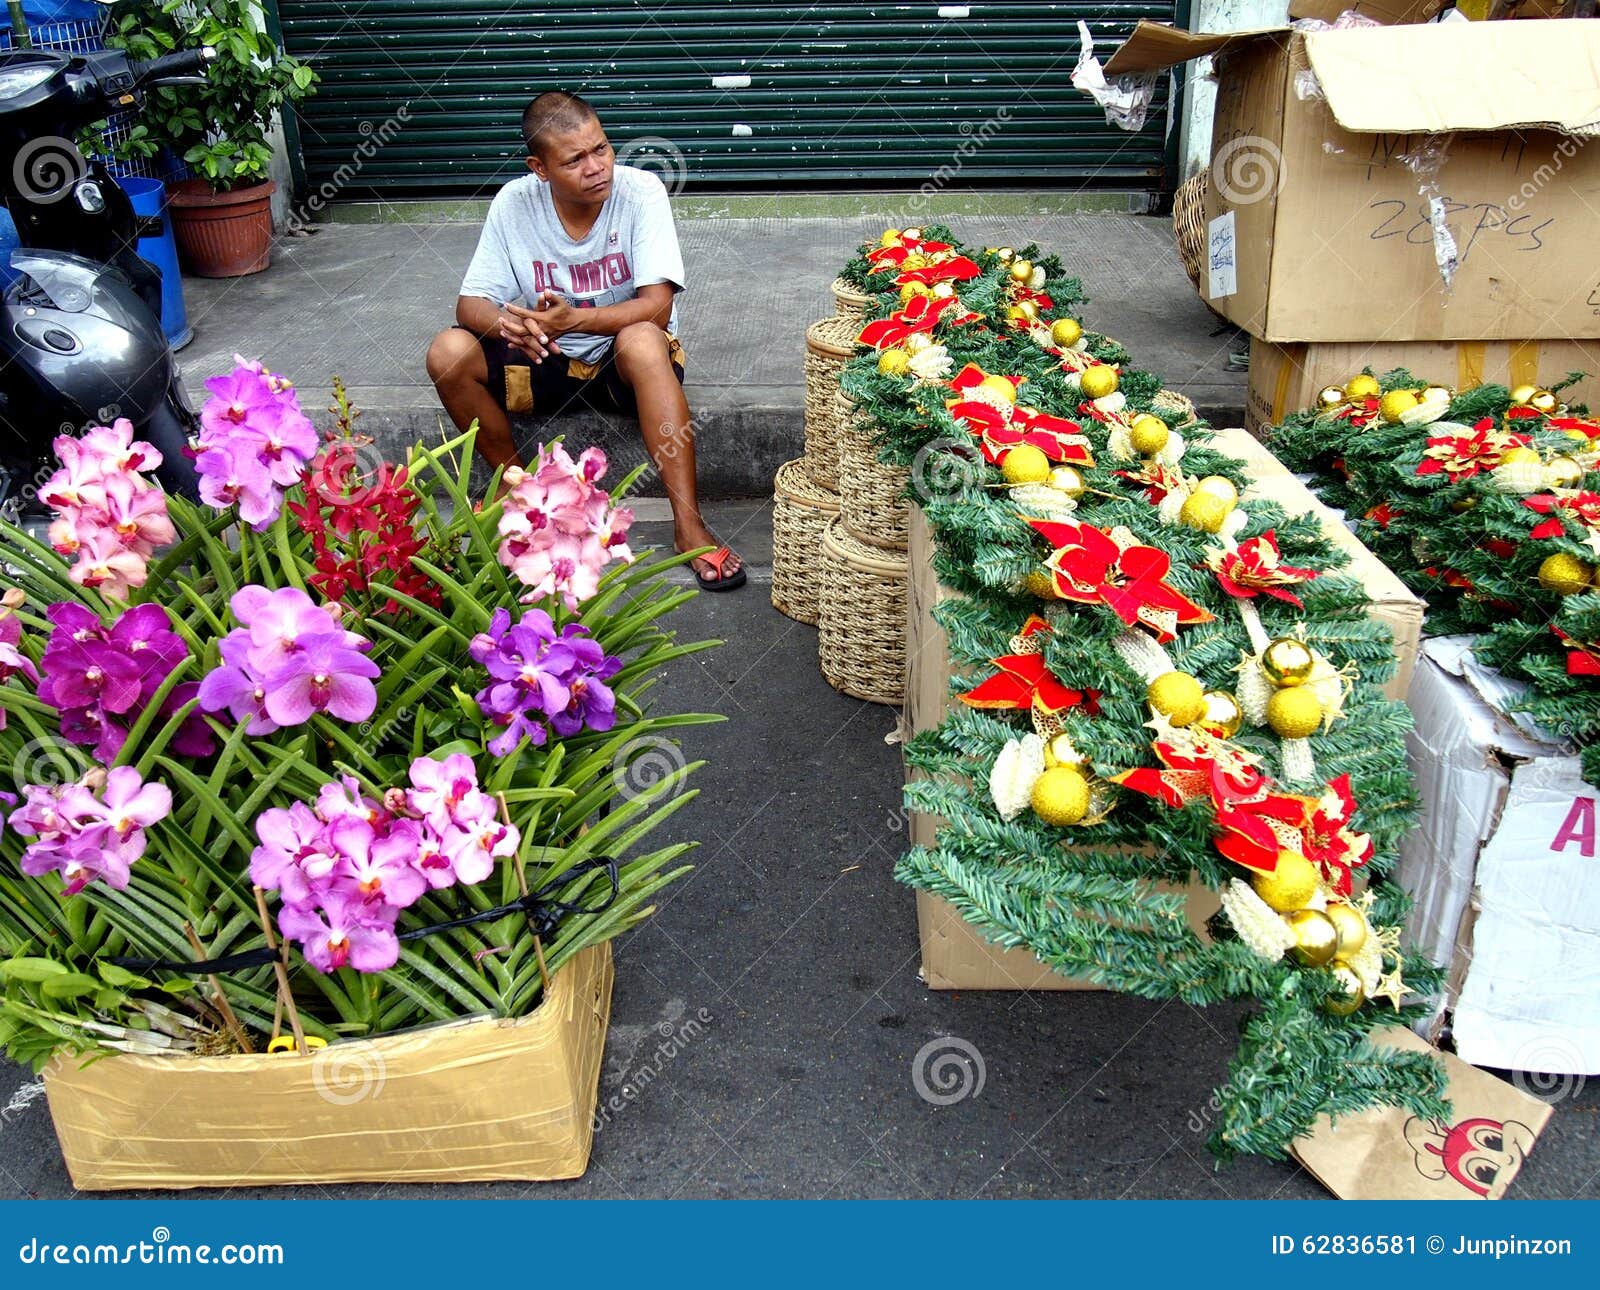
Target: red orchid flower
1087, 566
1256, 566
1023, 681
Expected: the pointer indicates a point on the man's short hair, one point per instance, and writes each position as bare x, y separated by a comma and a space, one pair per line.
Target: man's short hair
553, 112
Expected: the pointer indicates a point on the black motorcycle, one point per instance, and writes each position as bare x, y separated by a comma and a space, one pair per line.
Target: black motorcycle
81, 342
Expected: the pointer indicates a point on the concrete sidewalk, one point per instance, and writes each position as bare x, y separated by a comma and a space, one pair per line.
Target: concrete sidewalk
363, 300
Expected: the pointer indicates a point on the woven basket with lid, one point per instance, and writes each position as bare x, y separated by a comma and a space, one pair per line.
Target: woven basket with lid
829, 342
850, 301
801, 510
872, 494
861, 632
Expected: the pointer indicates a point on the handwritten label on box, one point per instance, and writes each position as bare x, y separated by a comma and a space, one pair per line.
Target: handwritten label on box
1222, 264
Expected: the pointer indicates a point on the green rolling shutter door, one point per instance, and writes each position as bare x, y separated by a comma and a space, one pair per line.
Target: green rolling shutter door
751, 93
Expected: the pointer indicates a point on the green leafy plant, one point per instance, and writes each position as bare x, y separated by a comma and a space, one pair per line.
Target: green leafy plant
219, 128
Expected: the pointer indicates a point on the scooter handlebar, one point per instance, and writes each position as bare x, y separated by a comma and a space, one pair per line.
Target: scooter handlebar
183, 62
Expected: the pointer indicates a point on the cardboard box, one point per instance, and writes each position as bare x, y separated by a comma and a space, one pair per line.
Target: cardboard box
1329, 150
1503, 870
1284, 379
955, 955
470, 1101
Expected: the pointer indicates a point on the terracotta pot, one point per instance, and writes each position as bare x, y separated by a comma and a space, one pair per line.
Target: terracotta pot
222, 235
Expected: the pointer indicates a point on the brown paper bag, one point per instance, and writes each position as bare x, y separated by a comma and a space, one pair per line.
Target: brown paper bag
1390, 1154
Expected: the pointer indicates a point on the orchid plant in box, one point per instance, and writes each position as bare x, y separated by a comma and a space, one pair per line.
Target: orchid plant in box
335, 725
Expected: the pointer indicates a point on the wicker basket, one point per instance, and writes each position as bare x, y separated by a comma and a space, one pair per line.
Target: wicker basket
801, 510
1189, 224
872, 495
851, 302
829, 342
861, 637
1177, 409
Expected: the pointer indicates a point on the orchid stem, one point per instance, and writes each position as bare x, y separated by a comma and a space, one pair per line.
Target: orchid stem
231, 1021
281, 972
522, 888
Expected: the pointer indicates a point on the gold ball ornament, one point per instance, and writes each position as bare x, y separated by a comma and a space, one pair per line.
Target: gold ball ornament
916, 260
1219, 486
1463, 504
1294, 714
1061, 751
1331, 396
943, 290
1060, 796
1544, 402
1291, 884
1021, 271
1005, 255
917, 342
1520, 455
1287, 662
1016, 314
909, 291
1522, 395
1351, 925
997, 384
1579, 437
1041, 584
1025, 464
1564, 574
1348, 995
1561, 471
894, 362
1222, 716
1098, 381
1068, 480
1023, 311
1148, 435
1396, 403
1204, 511
891, 237
1065, 332
1177, 696
1316, 939
1362, 387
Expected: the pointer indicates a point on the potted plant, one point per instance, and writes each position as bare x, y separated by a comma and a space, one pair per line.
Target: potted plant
222, 217
327, 794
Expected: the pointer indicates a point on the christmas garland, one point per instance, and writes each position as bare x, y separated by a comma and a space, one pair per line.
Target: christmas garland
1486, 503
1160, 683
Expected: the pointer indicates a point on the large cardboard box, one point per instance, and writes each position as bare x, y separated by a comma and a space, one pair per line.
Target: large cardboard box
1503, 871
1406, 182
955, 955
470, 1101
1285, 378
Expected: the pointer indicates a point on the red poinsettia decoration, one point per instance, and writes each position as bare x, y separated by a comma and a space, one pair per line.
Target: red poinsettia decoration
1584, 507
884, 258
1461, 456
1089, 566
1583, 657
360, 517
998, 431
1023, 681
1383, 515
1040, 299
1358, 412
1581, 424
957, 268
1156, 477
921, 314
1328, 841
1185, 777
1256, 567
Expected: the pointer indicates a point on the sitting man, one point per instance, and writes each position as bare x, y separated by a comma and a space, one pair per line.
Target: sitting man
571, 296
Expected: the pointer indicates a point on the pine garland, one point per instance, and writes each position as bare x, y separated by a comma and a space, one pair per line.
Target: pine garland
1475, 536
1097, 898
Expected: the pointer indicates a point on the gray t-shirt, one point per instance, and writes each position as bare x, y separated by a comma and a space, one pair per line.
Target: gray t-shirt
524, 250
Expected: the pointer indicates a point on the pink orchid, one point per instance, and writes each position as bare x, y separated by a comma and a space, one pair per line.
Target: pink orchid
378, 870
341, 935
293, 857
474, 849
446, 792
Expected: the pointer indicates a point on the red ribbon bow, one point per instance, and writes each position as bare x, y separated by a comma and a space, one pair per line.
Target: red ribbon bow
921, 314
892, 257
1023, 681
1256, 566
1089, 567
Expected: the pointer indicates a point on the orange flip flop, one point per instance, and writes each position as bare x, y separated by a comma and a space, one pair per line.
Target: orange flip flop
722, 582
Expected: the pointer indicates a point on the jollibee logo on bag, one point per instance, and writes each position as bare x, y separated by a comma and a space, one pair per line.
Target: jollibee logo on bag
1473, 1152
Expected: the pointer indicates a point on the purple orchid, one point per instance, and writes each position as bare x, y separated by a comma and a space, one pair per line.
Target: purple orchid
254, 442
539, 681
324, 676
343, 933
378, 870
294, 857
85, 837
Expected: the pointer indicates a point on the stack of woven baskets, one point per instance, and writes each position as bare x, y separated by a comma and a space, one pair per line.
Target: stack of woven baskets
840, 524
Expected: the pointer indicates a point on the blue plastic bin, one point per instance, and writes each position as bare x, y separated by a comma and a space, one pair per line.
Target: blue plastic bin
149, 197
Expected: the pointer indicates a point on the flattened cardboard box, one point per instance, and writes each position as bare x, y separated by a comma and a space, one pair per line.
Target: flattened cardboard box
1284, 379
1326, 165
1389, 1154
955, 955
472, 1101
1503, 871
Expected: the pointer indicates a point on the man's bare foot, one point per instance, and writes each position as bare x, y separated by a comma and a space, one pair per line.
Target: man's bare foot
721, 570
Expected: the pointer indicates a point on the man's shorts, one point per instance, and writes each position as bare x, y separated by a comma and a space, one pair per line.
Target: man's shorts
518, 384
